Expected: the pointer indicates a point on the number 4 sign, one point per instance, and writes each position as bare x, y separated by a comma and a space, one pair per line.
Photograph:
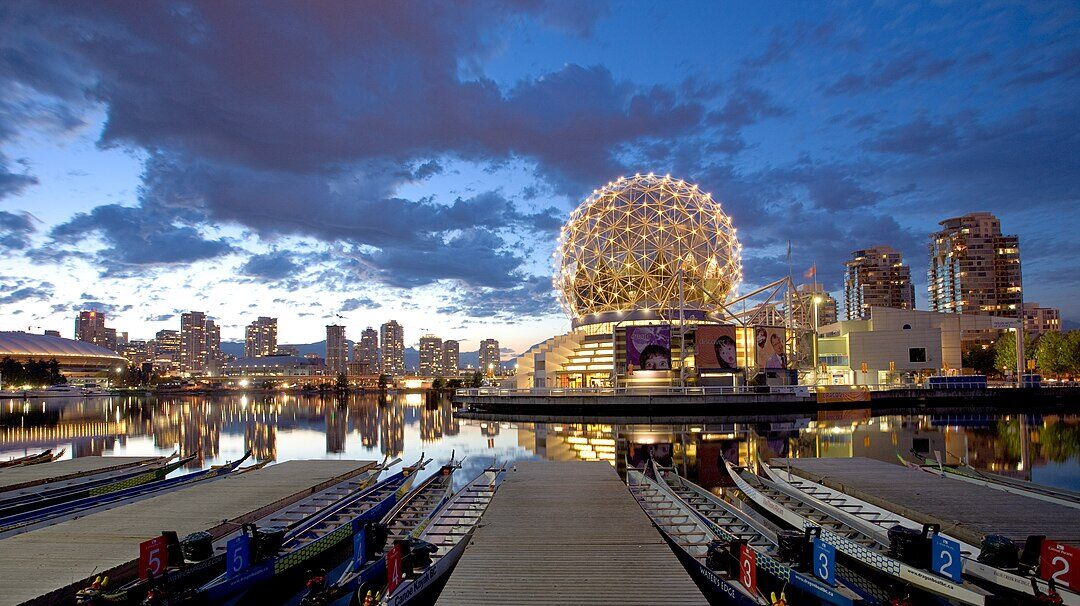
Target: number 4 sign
748, 568
153, 557
1061, 563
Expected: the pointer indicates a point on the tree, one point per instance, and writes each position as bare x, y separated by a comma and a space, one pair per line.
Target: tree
1051, 353
342, 382
980, 360
437, 384
476, 380
384, 380
1005, 351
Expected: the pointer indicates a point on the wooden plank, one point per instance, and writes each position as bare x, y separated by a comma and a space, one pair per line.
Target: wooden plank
54, 559
967, 511
33, 475
567, 533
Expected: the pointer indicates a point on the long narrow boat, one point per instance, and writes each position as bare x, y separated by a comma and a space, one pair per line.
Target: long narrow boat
311, 543
54, 496
850, 542
31, 484
690, 538
733, 524
876, 521
449, 531
81, 480
182, 577
367, 573
966, 473
40, 457
54, 514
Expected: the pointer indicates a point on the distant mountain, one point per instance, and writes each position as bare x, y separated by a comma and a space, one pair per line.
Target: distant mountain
412, 355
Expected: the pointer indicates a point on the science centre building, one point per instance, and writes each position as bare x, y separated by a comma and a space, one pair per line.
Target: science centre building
648, 268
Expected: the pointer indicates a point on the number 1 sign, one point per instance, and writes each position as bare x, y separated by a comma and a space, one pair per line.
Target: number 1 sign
1061, 563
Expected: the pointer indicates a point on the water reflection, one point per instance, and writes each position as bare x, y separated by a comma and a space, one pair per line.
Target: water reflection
282, 427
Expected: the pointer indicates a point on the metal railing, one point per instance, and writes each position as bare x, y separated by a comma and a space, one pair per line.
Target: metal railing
796, 390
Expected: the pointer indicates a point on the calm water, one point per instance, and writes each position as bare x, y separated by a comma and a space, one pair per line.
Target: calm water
281, 427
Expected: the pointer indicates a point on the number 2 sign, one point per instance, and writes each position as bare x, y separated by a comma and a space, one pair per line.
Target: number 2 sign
153, 557
1060, 563
748, 567
946, 559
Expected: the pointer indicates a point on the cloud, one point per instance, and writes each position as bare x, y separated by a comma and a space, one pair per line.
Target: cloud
25, 293
912, 65
531, 297
15, 230
475, 256
139, 237
276, 265
920, 136
744, 107
358, 303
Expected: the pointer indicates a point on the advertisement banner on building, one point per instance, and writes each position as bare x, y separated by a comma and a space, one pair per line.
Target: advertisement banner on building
648, 347
716, 348
769, 349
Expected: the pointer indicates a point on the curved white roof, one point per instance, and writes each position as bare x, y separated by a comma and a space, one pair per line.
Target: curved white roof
43, 346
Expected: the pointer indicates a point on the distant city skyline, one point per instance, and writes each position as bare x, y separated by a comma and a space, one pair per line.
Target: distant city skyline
424, 167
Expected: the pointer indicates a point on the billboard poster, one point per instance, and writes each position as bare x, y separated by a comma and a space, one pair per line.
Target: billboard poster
648, 347
639, 455
716, 348
769, 350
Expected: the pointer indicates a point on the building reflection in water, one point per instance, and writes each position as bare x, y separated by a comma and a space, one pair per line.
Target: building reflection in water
363, 426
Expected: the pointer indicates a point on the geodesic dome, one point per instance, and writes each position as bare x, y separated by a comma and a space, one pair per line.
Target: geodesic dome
630, 244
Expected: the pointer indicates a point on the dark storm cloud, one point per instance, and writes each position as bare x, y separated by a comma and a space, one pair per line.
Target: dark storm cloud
276, 265
474, 256
744, 107
15, 230
139, 237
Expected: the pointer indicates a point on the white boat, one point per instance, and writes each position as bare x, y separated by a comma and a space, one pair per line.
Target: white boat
848, 540
450, 531
876, 521
57, 391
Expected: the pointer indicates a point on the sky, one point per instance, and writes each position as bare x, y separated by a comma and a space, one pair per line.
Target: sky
353, 162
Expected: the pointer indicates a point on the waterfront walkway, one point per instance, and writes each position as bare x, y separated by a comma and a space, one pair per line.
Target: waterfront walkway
13, 478
56, 559
567, 533
967, 511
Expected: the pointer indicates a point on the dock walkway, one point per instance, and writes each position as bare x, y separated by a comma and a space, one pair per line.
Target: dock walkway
13, 478
567, 533
967, 511
52, 560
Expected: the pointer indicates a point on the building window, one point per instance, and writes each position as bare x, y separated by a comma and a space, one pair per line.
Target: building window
917, 354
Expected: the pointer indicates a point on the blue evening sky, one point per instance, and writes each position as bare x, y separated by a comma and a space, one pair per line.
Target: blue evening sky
356, 162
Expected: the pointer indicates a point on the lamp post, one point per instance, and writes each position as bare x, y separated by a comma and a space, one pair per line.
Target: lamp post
817, 301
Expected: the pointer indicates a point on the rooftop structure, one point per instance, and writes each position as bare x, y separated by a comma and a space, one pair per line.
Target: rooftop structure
648, 244
74, 357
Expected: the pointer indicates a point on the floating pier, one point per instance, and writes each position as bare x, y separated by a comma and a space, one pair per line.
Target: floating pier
567, 533
13, 478
967, 511
47, 565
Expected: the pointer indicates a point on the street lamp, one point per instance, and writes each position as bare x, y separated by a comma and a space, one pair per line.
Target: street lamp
817, 301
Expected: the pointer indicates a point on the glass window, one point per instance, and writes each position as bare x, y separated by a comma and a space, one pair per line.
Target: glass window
917, 354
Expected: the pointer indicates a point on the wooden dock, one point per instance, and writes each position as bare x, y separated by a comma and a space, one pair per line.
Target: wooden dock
567, 533
967, 511
44, 566
14, 478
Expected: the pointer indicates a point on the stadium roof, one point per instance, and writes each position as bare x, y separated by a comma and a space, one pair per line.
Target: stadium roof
26, 345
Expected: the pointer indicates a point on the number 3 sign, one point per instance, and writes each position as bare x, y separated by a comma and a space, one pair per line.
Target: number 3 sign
1061, 563
153, 557
748, 567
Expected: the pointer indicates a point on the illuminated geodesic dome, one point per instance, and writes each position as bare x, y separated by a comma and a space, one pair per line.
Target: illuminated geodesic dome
626, 245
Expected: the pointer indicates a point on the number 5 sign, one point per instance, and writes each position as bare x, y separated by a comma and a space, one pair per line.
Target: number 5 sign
748, 568
1061, 563
153, 557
